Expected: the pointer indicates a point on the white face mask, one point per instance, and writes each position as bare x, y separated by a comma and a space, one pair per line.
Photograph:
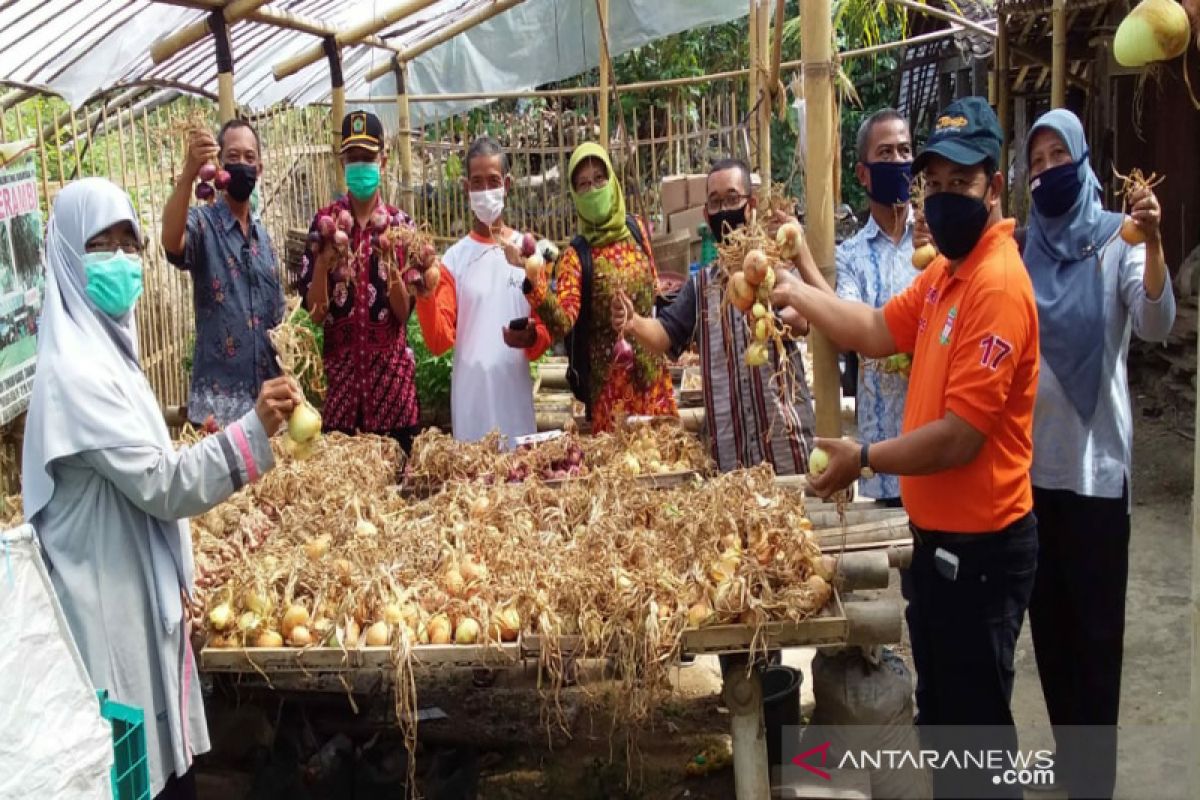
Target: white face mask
488, 205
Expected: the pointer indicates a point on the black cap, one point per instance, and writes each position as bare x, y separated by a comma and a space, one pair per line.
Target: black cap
362, 129
967, 133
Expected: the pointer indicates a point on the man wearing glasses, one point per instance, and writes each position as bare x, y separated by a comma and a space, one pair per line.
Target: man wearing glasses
749, 420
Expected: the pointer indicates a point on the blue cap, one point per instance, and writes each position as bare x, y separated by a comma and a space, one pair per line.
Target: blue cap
966, 132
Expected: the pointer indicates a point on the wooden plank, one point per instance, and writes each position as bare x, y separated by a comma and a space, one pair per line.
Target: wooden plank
830, 626
333, 659
821, 518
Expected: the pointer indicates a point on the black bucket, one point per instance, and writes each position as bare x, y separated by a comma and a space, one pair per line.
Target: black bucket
781, 708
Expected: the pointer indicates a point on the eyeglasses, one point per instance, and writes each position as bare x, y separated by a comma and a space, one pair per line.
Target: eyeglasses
730, 202
105, 245
583, 187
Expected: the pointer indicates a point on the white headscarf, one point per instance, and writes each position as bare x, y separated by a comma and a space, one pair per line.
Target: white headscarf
89, 392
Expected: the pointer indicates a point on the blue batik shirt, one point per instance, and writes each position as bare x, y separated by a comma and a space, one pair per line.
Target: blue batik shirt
238, 298
873, 269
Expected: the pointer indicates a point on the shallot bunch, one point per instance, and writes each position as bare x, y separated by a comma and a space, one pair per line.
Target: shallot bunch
213, 179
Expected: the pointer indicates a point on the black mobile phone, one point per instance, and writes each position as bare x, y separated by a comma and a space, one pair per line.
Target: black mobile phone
519, 324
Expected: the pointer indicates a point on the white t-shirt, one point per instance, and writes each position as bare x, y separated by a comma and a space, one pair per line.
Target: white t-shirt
491, 387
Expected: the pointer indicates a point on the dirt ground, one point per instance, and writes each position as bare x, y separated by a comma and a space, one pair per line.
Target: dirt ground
493, 744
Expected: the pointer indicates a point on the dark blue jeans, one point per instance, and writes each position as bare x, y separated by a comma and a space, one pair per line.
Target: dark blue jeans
964, 630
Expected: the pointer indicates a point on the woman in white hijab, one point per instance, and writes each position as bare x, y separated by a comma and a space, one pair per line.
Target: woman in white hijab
108, 493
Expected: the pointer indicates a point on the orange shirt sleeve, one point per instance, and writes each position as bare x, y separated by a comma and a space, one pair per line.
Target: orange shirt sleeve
903, 312
438, 314
991, 339
542, 343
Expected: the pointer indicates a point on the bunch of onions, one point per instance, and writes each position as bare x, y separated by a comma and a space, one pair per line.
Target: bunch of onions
212, 180
1155, 30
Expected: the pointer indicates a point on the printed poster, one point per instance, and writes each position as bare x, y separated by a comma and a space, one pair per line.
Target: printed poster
22, 276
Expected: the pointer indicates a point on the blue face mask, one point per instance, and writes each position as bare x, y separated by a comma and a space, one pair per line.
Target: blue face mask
1056, 189
114, 281
890, 181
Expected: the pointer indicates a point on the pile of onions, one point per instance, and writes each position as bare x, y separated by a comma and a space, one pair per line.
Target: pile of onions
1155, 30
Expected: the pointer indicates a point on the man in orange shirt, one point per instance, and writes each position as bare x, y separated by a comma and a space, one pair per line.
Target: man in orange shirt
970, 321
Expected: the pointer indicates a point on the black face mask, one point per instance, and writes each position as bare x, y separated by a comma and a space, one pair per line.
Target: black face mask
956, 222
890, 182
726, 220
242, 178
1056, 189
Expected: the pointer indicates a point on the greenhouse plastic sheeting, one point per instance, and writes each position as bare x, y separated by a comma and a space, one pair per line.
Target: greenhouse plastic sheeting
541, 41
84, 47
55, 742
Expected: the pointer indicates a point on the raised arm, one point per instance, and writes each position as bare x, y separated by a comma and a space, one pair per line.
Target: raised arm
851, 326
202, 148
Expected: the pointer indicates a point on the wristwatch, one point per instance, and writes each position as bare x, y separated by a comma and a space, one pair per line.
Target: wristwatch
864, 462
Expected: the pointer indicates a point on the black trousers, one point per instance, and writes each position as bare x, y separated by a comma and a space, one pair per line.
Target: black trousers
178, 788
963, 623
1077, 617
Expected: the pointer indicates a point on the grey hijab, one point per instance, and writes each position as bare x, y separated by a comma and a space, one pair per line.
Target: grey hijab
89, 392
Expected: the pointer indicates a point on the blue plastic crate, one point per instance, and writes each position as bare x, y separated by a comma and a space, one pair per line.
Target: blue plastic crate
131, 765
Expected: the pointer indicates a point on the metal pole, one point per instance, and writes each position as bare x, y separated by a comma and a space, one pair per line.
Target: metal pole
821, 119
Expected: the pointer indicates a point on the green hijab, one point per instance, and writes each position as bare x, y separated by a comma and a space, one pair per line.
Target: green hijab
611, 228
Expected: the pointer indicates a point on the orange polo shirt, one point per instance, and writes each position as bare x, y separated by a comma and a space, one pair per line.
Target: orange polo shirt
974, 339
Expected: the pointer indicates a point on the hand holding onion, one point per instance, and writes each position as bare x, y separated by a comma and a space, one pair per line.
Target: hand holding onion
923, 248
1145, 213
833, 466
277, 399
622, 311
202, 151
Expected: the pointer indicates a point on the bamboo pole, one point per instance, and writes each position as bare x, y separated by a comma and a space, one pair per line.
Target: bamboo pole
285, 20
755, 90
816, 43
225, 102
337, 109
640, 86
351, 36
1003, 101
605, 67
446, 34
404, 117
1058, 60
744, 698
166, 46
767, 91
937, 13
777, 51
